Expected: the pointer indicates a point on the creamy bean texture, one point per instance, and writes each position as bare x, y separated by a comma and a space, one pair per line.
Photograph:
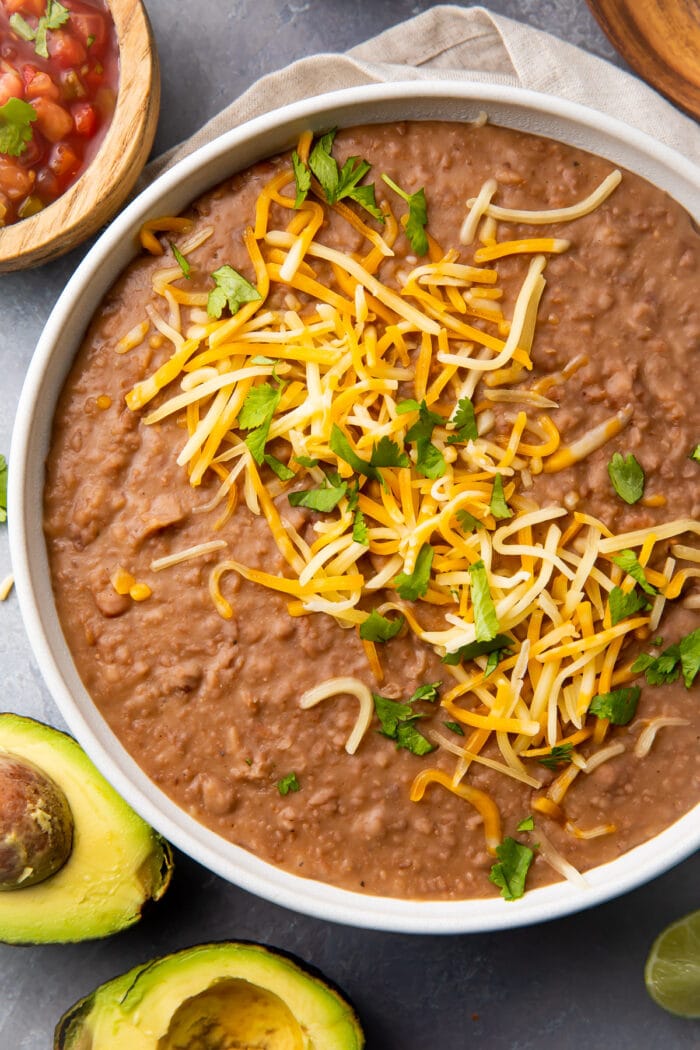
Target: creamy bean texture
200, 666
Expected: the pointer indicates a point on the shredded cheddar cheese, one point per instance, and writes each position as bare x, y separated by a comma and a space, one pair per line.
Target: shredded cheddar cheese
356, 363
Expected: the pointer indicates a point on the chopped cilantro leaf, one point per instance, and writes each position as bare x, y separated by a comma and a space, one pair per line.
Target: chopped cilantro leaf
56, 15
359, 528
467, 521
429, 691
408, 405
417, 216
386, 453
627, 477
324, 498
283, 472
528, 824
3, 489
485, 619
622, 605
627, 560
181, 261
338, 184
497, 505
454, 727
661, 669
618, 707
695, 454
232, 290
559, 756
302, 179
509, 874
16, 118
412, 586
492, 661
464, 422
474, 649
398, 723
256, 415
690, 656
21, 27
307, 461
260, 359
288, 783
430, 461
377, 628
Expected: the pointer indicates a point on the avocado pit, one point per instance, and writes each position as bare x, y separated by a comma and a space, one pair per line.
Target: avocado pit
36, 824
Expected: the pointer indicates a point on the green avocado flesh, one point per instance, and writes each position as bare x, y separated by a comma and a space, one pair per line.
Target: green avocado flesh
116, 861
213, 997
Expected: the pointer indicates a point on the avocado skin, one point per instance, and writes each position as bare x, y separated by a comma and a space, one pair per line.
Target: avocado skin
112, 1000
117, 860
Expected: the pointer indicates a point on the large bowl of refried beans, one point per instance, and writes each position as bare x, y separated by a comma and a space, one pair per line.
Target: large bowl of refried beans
360, 553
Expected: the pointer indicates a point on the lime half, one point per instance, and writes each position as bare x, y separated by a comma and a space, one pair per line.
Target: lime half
672, 971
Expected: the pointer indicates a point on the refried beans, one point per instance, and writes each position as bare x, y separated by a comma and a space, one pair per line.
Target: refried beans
268, 508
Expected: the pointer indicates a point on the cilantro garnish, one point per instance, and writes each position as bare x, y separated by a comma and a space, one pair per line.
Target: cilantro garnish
16, 118
359, 528
683, 656
509, 874
454, 727
430, 461
3, 489
497, 505
464, 421
492, 661
384, 454
528, 824
467, 521
417, 216
485, 618
377, 628
474, 649
302, 178
307, 461
336, 183
412, 586
256, 415
232, 290
55, 16
695, 454
288, 783
559, 756
627, 560
181, 261
622, 605
283, 472
618, 707
398, 723
429, 691
627, 477
324, 498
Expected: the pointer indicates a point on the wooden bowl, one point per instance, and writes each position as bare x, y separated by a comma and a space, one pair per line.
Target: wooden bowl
107, 181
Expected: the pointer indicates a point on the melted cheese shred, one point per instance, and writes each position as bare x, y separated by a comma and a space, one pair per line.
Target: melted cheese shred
339, 341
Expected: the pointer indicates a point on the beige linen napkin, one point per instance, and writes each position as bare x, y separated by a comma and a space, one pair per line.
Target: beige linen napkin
460, 44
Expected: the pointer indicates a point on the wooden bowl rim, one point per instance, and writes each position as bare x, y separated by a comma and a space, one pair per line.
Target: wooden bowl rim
104, 185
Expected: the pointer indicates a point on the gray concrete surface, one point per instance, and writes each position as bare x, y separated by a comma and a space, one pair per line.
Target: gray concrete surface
567, 985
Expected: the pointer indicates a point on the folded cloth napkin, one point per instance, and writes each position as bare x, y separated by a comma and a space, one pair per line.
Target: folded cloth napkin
460, 44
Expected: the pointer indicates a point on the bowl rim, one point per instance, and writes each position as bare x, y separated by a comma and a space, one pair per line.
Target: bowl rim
110, 176
54, 353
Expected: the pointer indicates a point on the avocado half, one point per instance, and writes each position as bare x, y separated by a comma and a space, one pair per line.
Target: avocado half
213, 996
115, 861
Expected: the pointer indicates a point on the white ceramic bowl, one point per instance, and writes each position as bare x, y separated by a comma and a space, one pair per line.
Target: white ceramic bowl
172, 192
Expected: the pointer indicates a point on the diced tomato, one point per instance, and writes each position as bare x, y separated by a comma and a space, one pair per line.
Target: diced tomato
54, 122
25, 7
65, 49
91, 30
40, 85
64, 161
15, 182
85, 119
11, 84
